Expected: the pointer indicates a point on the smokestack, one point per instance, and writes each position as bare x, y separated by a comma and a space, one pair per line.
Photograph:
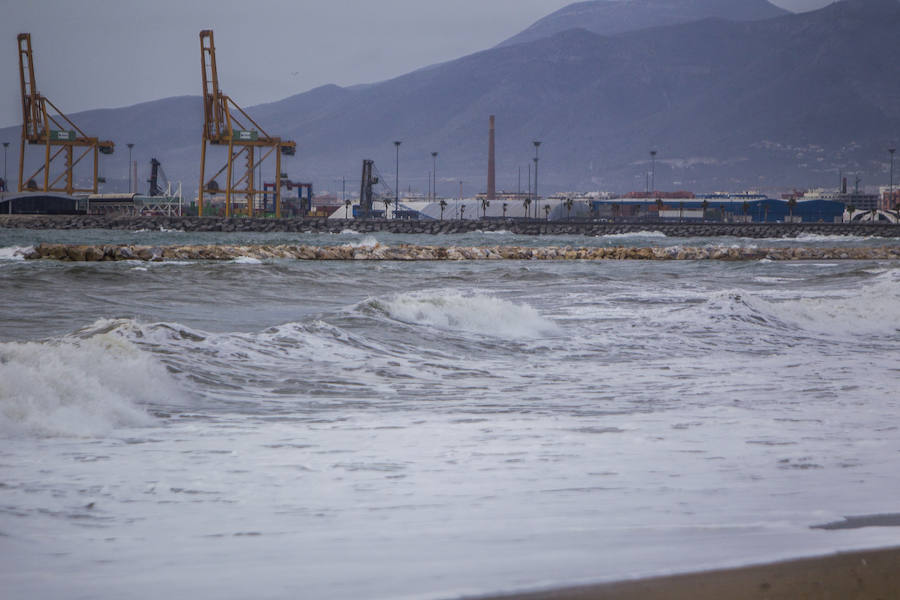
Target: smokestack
491, 183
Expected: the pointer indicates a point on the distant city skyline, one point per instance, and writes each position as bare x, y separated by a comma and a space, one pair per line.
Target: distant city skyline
102, 54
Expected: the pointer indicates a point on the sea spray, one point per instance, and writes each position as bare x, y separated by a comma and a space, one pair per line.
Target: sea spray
452, 310
78, 387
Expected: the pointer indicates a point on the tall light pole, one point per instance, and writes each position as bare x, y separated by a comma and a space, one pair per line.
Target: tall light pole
537, 198
653, 171
396, 176
434, 175
130, 146
891, 193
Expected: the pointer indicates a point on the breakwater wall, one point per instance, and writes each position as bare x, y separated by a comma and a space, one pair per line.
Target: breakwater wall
516, 226
405, 252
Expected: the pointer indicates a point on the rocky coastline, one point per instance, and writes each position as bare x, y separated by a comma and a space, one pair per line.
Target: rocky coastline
515, 226
406, 252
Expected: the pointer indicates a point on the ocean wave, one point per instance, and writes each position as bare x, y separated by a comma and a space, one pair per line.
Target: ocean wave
366, 242
246, 260
80, 386
349, 232
633, 234
14, 252
452, 310
871, 310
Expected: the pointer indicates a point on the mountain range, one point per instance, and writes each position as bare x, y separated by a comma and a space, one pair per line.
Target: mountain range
737, 95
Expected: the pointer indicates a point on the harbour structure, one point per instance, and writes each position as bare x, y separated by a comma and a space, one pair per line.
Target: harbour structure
226, 124
64, 144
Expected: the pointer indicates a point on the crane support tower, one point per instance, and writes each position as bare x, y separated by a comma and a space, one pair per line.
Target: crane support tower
367, 181
55, 132
226, 124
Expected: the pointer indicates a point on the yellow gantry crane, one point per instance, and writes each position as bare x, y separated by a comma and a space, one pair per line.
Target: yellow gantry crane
226, 124
55, 132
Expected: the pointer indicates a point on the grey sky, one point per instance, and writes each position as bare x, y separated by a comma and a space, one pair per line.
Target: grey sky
108, 53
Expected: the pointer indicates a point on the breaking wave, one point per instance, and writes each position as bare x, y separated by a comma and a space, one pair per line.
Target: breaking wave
78, 386
14, 252
871, 310
452, 310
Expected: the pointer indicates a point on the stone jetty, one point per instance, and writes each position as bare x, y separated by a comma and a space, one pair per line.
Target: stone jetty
447, 227
405, 252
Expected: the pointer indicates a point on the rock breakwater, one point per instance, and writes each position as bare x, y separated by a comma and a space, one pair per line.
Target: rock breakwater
515, 226
91, 253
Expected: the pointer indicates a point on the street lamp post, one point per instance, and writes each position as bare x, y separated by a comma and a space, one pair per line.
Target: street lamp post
396, 176
653, 171
130, 185
537, 198
434, 176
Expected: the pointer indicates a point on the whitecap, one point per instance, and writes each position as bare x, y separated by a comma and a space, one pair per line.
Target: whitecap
453, 310
246, 260
80, 386
14, 252
634, 234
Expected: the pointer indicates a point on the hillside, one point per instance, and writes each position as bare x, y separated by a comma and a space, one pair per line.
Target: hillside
729, 105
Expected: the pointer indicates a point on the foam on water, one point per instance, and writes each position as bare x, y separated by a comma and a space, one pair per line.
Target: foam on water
870, 310
453, 310
78, 386
366, 242
14, 252
247, 260
635, 234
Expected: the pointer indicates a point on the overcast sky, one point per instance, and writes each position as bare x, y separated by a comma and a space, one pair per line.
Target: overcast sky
109, 53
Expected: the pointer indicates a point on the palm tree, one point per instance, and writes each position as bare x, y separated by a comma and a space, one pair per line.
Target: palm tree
526, 203
705, 206
484, 206
504, 210
569, 204
462, 211
387, 206
547, 212
443, 205
347, 208
851, 209
659, 208
680, 212
791, 204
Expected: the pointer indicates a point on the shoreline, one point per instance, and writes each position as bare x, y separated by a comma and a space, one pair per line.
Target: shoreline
408, 253
857, 575
447, 227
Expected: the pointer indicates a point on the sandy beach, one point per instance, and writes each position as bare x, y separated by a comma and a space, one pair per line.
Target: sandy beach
864, 575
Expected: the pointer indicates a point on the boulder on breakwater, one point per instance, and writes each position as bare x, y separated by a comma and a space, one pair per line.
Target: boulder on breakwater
406, 252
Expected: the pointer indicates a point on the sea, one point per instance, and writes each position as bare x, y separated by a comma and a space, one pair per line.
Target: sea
435, 430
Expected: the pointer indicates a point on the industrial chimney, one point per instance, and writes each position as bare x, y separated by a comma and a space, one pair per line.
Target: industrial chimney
491, 183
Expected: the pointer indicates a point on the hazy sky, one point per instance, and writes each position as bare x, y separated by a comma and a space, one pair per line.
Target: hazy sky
108, 53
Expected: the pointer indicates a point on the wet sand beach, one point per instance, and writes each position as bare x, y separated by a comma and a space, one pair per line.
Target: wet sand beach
864, 575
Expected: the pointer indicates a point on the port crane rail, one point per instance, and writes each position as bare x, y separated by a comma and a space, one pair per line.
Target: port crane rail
53, 130
227, 124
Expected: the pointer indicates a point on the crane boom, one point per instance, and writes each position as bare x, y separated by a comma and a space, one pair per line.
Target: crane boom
227, 124
55, 131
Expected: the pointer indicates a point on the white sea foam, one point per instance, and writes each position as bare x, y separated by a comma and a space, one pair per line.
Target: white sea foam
14, 252
480, 313
498, 232
871, 310
366, 242
77, 387
247, 260
349, 232
634, 234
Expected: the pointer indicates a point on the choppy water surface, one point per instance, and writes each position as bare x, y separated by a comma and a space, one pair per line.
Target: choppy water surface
426, 430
